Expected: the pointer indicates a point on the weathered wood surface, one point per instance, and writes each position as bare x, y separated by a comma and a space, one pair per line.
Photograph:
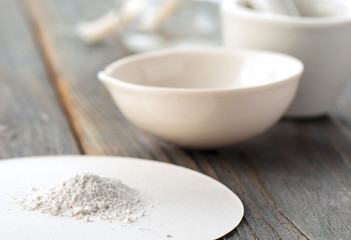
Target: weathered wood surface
294, 180
32, 121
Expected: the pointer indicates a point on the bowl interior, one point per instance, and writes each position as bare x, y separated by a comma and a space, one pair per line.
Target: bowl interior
205, 69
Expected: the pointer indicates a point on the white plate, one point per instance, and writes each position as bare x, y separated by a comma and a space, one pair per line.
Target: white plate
185, 204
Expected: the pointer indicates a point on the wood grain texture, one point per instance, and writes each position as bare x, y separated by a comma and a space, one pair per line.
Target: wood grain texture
31, 119
294, 180
342, 112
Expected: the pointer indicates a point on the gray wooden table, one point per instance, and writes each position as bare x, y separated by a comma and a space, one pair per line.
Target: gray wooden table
294, 180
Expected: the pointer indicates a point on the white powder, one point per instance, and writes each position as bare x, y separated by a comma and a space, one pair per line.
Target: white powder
87, 195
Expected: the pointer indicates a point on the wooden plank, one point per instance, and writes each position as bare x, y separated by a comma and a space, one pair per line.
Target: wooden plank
31, 119
75, 66
342, 113
299, 169
294, 180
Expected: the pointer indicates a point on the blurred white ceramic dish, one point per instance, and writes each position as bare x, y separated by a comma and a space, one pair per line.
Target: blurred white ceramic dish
203, 98
286, 7
321, 40
201, 18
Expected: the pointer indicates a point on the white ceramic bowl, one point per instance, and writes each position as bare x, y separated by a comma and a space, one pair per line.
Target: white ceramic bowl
322, 41
203, 98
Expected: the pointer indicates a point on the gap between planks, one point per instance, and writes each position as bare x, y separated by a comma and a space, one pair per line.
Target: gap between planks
45, 50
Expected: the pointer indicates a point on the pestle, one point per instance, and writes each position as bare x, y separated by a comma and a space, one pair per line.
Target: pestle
286, 7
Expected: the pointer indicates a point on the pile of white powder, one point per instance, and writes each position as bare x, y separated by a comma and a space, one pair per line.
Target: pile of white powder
86, 195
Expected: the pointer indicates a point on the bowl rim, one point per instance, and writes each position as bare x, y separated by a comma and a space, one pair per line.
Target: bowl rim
104, 75
234, 6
